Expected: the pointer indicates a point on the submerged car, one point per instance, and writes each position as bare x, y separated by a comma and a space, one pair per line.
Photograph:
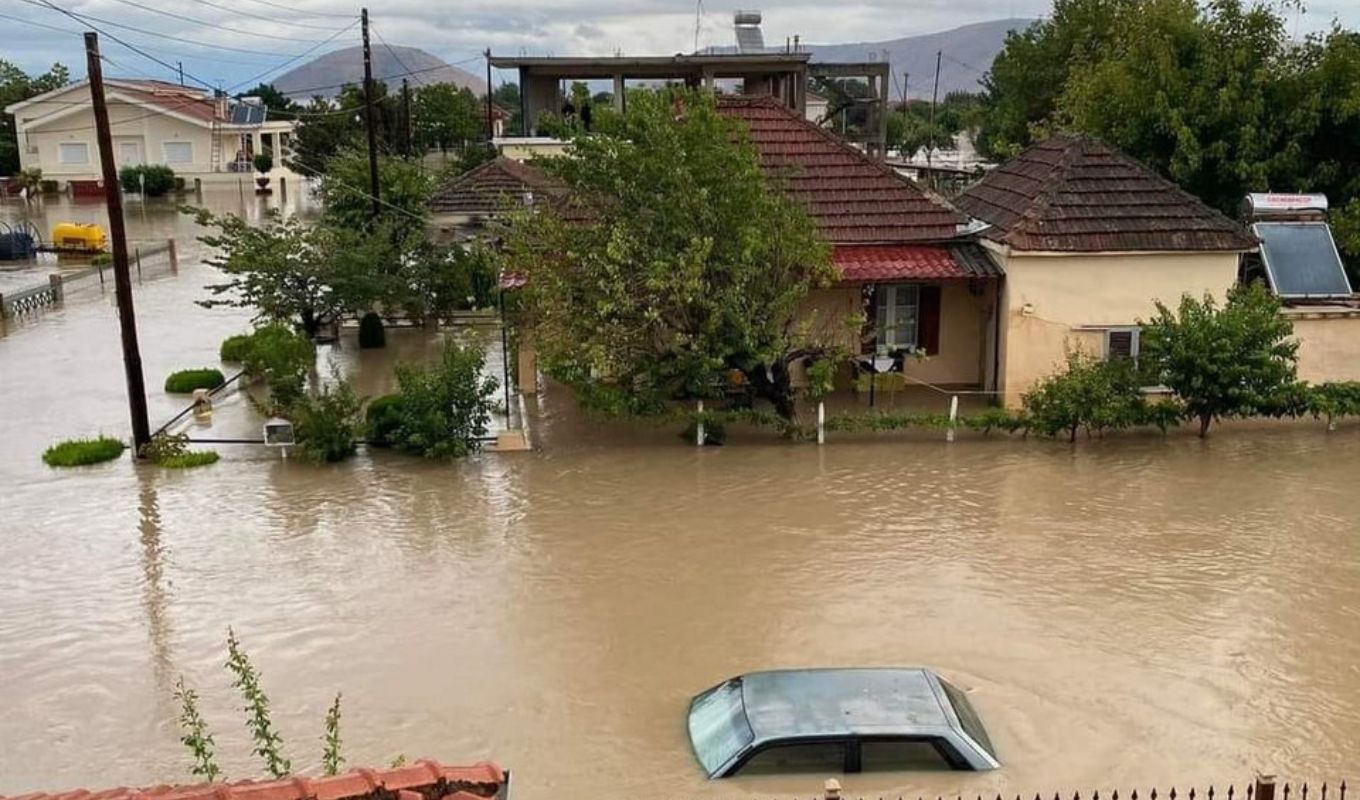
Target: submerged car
837, 720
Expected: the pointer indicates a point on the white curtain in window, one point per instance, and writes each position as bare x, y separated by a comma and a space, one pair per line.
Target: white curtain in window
179, 152
895, 315
73, 153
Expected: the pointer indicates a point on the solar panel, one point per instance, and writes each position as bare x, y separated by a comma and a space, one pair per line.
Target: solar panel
1301, 259
750, 39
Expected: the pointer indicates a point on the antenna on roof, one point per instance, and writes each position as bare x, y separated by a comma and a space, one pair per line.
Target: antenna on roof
698, 18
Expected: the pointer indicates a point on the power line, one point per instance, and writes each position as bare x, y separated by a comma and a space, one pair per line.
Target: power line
356, 190
137, 50
301, 55
84, 19
292, 10
209, 24
37, 24
275, 20
70, 32
400, 63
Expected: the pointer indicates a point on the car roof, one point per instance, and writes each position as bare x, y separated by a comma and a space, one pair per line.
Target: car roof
827, 702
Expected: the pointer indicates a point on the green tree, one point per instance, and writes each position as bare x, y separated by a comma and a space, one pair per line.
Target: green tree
404, 188
692, 265
447, 117
273, 99
1223, 361
17, 86
1091, 394
507, 97
442, 411
324, 129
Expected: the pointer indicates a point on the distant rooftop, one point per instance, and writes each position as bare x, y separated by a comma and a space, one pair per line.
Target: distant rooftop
731, 65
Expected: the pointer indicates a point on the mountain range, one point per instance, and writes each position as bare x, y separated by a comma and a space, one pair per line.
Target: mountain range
966, 52
324, 74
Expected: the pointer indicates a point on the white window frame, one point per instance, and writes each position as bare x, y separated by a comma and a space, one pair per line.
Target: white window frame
61, 151
165, 152
888, 297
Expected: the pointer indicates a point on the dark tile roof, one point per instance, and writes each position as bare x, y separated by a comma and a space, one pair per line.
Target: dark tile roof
853, 198
1074, 194
870, 263
422, 780
498, 184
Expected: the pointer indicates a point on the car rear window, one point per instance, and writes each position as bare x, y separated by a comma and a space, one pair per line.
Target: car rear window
718, 729
968, 718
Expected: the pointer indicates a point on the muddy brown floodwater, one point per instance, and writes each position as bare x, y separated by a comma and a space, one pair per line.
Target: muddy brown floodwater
1129, 612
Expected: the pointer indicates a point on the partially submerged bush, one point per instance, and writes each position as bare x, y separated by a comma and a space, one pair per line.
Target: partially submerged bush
172, 451
327, 425
382, 419
235, 348
445, 408
282, 358
79, 452
1092, 394
187, 380
1332, 401
371, 332
154, 179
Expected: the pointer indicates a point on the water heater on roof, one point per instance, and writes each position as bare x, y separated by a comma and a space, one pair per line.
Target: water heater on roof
749, 37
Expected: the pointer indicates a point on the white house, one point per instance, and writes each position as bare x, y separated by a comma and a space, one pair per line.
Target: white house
152, 122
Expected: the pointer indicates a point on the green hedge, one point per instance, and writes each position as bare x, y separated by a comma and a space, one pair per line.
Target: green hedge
235, 348
154, 179
383, 418
187, 380
79, 452
196, 458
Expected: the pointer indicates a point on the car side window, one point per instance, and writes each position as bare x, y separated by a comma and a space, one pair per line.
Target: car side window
887, 755
820, 757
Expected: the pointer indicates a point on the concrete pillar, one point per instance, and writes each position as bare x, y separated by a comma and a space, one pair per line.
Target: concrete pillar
618, 93
528, 369
57, 292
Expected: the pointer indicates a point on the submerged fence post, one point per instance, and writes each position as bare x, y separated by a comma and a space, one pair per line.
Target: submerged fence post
953, 417
137, 253
58, 293
699, 426
174, 255
821, 422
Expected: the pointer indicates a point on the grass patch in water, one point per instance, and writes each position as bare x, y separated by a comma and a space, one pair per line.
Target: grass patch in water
189, 460
187, 380
80, 452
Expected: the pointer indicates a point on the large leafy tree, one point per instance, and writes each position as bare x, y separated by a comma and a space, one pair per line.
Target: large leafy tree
17, 86
1223, 361
404, 189
446, 117
690, 264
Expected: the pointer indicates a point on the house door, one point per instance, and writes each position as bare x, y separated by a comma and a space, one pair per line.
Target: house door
129, 153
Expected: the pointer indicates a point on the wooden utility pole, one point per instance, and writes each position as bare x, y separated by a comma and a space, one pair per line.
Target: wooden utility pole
368, 119
490, 124
406, 114
127, 321
934, 97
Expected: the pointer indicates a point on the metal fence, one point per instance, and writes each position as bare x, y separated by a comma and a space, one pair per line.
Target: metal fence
145, 259
1263, 788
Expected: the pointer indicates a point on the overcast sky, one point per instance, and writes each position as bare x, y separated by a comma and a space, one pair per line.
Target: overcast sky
459, 31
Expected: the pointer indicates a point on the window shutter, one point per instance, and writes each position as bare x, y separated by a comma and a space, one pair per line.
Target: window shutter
928, 320
1119, 344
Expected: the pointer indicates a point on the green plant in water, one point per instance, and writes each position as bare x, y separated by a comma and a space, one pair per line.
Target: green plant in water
195, 733
330, 755
102, 260
235, 349
186, 381
268, 743
282, 358
79, 452
382, 418
172, 451
327, 425
444, 409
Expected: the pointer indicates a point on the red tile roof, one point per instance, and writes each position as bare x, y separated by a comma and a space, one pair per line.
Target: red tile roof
492, 187
421, 780
867, 264
854, 198
169, 97
1074, 194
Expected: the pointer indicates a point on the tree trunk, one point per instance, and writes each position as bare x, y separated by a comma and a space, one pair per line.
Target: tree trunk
310, 324
776, 386
1204, 421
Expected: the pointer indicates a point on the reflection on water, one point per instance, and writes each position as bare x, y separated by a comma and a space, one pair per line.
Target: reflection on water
1133, 611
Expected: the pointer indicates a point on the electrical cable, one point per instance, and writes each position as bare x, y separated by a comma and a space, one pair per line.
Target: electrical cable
275, 20
208, 24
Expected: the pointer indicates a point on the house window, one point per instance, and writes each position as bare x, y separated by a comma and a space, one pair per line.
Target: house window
178, 152
1122, 343
73, 153
896, 310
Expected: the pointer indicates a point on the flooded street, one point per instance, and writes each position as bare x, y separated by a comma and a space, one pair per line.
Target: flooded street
1137, 611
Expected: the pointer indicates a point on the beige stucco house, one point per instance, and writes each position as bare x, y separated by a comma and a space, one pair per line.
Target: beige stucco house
1089, 240
152, 122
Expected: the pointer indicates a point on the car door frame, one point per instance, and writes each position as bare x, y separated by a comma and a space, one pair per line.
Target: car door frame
755, 749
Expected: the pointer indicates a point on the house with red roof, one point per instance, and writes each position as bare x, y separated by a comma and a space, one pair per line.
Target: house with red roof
152, 122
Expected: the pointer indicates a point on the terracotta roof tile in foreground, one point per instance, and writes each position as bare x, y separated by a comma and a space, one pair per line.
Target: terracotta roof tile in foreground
913, 262
853, 198
1074, 194
421, 780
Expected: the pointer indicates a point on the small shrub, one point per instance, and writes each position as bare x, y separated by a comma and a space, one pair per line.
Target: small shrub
30, 179
172, 451
371, 332
187, 380
445, 408
327, 425
1091, 394
79, 452
268, 743
995, 419
195, 734
49, 187
263, 162
154, 179
382, 419
234, 349
102, 260
821, 379
282, 358
1334, 401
